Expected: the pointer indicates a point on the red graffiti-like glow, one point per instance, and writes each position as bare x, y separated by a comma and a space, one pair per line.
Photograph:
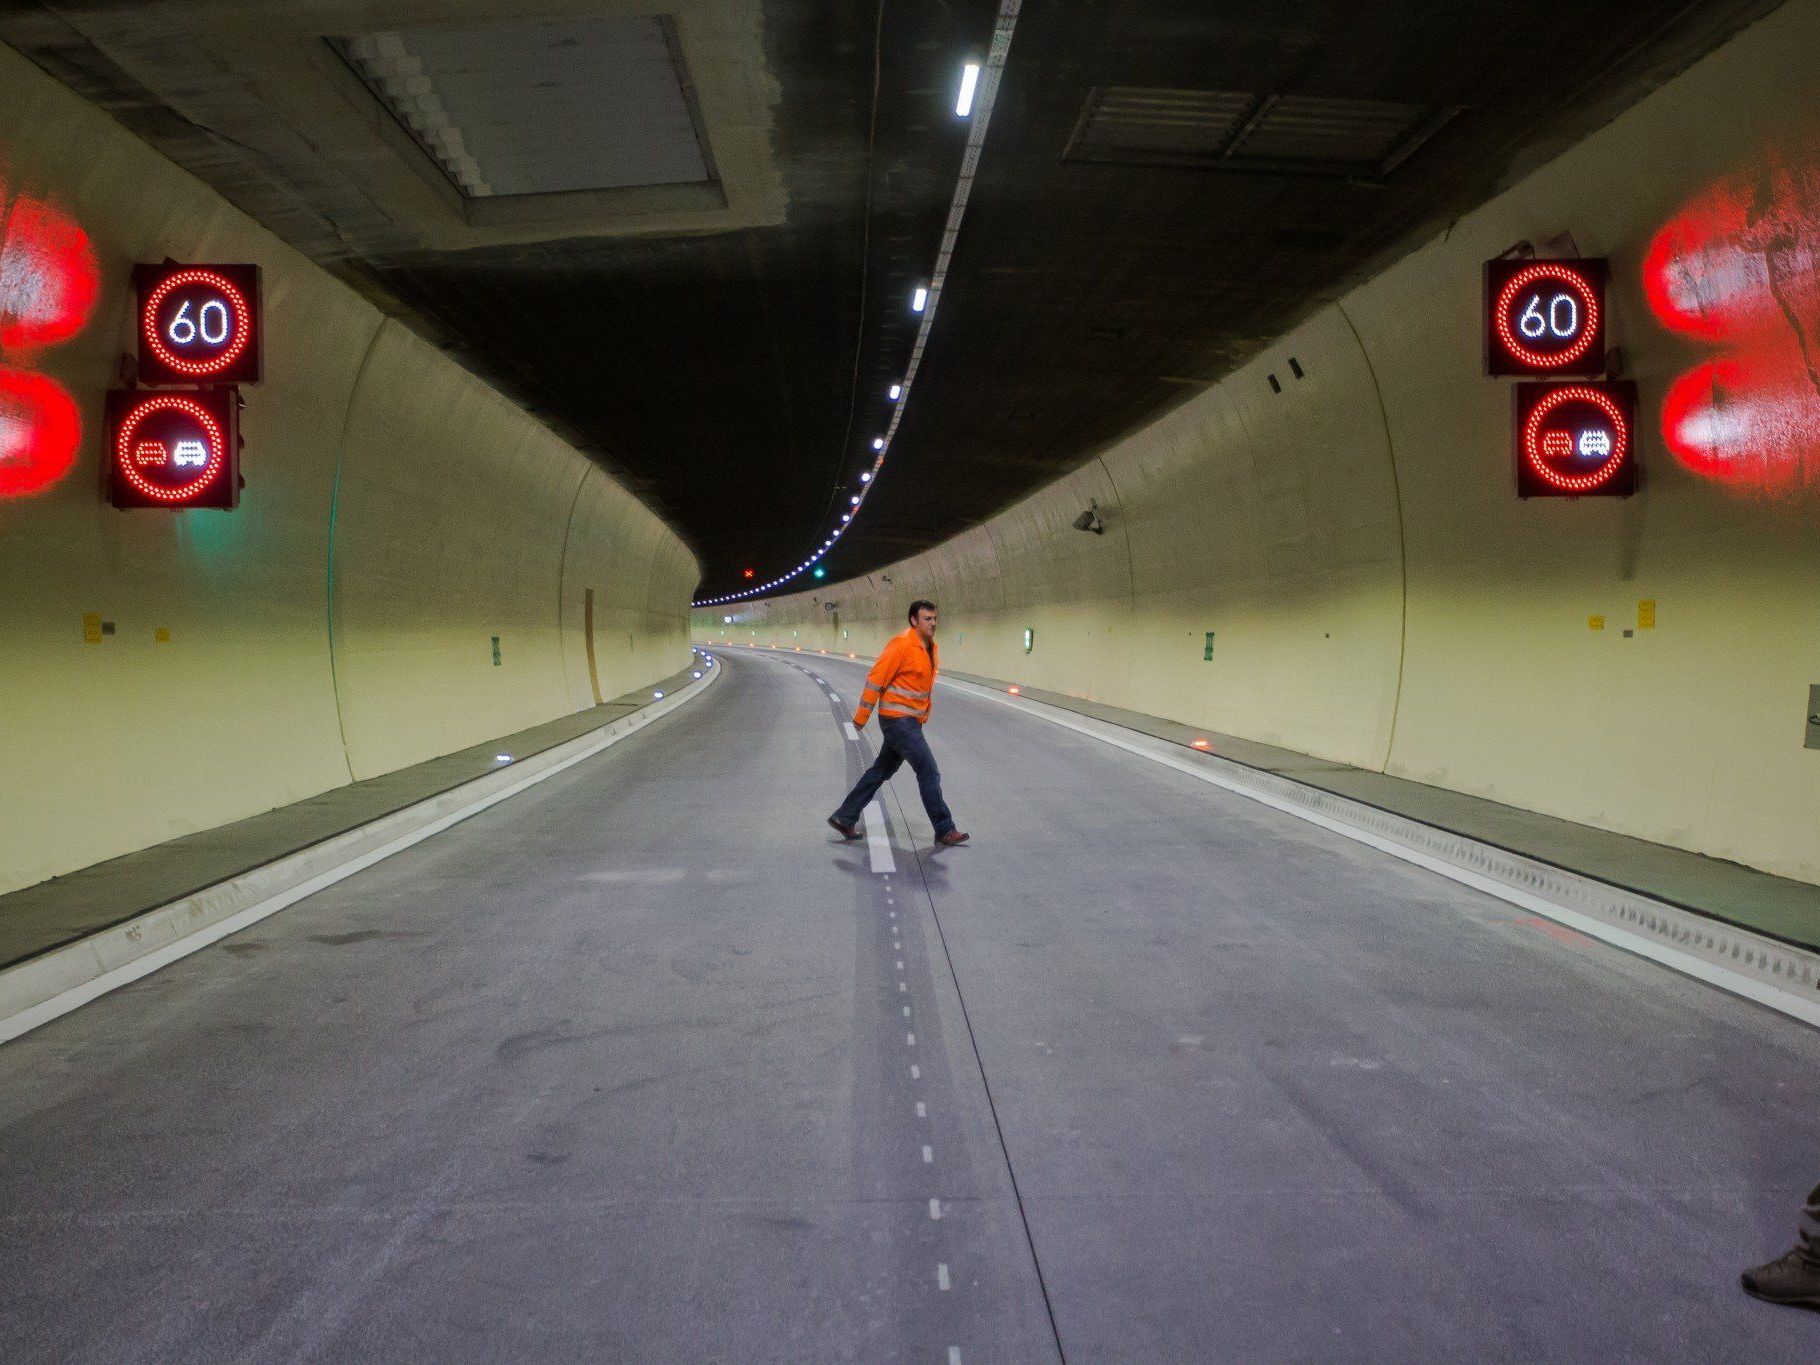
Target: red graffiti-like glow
48, 278
1739, 266
39, 432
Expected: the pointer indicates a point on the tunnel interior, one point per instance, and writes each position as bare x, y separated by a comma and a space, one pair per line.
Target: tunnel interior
1296, 527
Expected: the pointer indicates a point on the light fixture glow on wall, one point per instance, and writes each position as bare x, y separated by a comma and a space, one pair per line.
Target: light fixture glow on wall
919, 299
897, 392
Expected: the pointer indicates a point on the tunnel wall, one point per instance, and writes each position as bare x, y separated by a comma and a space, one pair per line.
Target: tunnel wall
1378, 594
398, 515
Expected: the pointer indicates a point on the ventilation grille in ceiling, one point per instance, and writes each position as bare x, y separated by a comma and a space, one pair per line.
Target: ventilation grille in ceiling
1232, 130
539, 107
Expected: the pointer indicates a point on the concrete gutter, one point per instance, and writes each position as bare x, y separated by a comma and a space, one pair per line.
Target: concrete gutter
41, 988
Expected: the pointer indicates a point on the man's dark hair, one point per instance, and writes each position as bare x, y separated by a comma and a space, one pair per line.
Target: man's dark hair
919, 605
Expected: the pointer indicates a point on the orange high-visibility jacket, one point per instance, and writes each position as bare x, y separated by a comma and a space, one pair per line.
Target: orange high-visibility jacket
900, 682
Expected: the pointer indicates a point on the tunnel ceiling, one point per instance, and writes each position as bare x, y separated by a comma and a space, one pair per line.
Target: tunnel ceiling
706, 288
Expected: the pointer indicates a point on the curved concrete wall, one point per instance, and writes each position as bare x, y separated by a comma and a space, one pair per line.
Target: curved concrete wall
398, 515
1378, 593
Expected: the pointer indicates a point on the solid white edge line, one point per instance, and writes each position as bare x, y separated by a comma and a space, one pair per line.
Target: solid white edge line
1686, 963
878, 839
24, 1021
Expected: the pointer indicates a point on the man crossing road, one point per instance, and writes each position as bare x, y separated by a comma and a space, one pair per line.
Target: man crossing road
900, 686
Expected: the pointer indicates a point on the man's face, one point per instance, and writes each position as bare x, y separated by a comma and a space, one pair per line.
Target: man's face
924, 624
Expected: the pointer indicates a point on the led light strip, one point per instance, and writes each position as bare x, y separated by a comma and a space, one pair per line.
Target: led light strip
985, 93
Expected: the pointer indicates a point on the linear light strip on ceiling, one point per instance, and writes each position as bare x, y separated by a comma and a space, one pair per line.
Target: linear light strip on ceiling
984, 94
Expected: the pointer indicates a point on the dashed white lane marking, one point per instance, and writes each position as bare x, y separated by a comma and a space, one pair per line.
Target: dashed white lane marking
909, 1040
852, 734
902, 987
954, 1355
941, 1276
935, 1208
900, 964
878, 839
916, 1072
928, 1155
922, 1110
906, 1011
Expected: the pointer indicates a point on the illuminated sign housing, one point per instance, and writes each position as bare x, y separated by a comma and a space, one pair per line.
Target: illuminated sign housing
178, 449
198, 324
1545, 317
1576, 440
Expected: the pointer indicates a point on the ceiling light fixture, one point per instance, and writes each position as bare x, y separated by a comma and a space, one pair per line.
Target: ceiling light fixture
970, 76
981, 90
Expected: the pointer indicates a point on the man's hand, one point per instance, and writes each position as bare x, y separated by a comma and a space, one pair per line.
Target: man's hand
860, 718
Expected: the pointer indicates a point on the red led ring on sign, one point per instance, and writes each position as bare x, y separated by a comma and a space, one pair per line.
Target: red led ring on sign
1589, 329
1532, 445
243, 326
129, 429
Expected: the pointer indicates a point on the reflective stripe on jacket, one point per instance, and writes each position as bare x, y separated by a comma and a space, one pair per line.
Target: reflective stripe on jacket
900, 682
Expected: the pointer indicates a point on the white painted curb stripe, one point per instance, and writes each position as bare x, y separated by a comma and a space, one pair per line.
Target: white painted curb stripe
23, 1005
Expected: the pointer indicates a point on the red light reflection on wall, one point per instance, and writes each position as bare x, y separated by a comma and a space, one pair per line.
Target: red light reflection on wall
48, 278
1739, 266
1748, 420
39, 432
49, 283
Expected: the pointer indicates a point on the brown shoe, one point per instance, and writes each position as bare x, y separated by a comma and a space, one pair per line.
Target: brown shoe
1789, 1279
845, 831
952, 837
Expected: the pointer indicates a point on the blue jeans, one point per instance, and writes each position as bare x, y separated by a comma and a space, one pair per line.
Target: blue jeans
902, 742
